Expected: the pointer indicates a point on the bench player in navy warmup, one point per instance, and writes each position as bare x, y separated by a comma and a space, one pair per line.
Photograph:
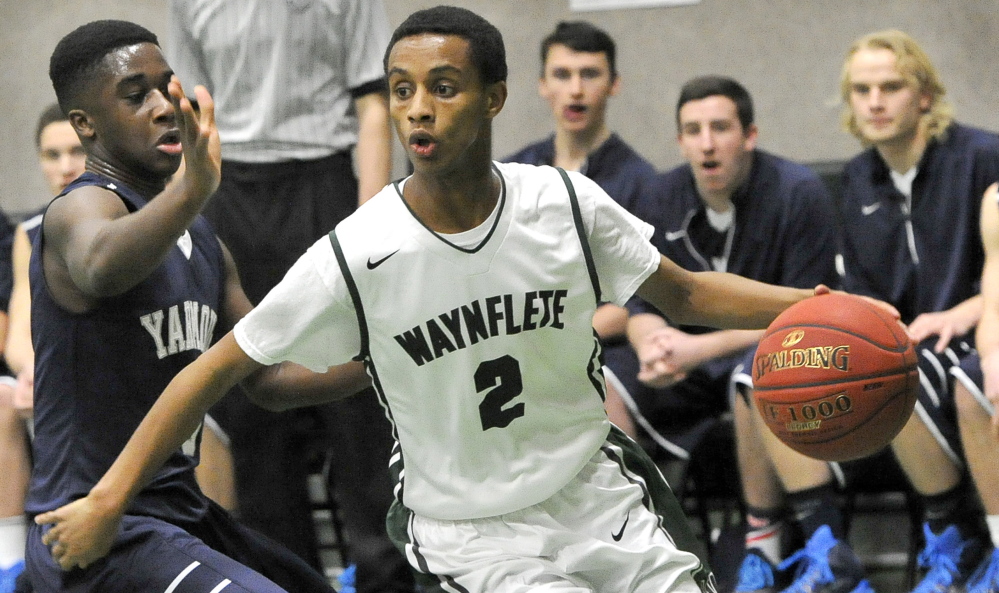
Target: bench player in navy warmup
514, 479
129, 285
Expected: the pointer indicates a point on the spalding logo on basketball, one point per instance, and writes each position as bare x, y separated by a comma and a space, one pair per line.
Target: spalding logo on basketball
835, 377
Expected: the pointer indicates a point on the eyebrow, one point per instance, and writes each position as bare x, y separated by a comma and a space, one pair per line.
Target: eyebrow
138, 77
436, 70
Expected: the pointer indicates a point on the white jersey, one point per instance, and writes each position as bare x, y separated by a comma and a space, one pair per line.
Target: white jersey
485, 357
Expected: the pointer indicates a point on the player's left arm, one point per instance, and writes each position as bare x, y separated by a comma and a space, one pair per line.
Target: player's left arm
718, 299
987, 332
286, 385
373, 153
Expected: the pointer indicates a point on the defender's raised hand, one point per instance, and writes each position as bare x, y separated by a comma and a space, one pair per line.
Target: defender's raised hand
199, 137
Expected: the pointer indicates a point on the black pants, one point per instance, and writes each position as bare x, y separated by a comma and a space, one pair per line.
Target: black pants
268, 215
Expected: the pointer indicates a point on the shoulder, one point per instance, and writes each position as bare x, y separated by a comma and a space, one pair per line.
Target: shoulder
536, 153
792, 178
622, 152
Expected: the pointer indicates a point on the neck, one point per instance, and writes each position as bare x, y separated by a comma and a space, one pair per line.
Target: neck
718, 202
145, 185
572, 148
454, 201
902, 154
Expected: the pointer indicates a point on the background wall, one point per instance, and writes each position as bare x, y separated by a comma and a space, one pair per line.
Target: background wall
788, 53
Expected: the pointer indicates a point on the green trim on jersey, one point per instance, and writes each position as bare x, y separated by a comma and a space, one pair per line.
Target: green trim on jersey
577, 219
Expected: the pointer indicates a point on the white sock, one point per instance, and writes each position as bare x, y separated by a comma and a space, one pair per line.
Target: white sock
767, 540
13, 534
993, 522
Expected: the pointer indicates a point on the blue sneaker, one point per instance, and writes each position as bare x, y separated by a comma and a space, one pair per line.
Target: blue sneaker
826, 565
756, 574
947, 559
347, 579
8, 576
985, 579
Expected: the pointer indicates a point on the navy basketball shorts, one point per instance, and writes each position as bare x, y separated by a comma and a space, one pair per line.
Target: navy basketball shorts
935, 403
969, 373
154, 556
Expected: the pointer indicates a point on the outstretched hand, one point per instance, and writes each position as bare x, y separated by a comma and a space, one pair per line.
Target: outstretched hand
199, 137
80, 534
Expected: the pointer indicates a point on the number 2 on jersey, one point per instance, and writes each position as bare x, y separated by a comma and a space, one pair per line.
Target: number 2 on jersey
501, 376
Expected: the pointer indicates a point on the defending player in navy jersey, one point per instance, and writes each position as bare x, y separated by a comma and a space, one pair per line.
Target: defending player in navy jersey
129, 285
468, 290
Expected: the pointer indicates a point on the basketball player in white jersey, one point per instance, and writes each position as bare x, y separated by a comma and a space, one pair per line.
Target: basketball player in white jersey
468, 291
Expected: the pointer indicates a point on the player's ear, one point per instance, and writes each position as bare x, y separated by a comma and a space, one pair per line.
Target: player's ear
495, 98
82, 123
615, 86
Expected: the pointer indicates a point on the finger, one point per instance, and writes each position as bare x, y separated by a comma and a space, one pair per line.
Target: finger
187, 119
206, 107
942, 343
821, 289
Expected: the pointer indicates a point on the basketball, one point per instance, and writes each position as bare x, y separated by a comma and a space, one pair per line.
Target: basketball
835, 377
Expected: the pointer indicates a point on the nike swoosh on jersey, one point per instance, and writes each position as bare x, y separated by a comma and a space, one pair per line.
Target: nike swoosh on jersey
869, 209
374, 264
617, 536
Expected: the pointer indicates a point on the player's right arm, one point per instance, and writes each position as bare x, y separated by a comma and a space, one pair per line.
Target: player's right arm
95, 247
987, 333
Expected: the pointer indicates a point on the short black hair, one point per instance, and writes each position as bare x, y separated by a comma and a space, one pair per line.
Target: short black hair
486, 49
703, 87
78, 55
581, 36
51, 115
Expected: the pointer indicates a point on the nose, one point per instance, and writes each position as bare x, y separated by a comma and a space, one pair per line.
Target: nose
576, 85
161, 106
420, 107
706, 139
875, 98
70, 163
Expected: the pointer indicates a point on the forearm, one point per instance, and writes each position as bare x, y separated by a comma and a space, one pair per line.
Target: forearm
715, 299
284, 386
133, 246
373, 153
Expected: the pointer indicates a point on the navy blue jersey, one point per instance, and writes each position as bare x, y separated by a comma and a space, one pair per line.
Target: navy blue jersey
98, 373
614, 166
929, 259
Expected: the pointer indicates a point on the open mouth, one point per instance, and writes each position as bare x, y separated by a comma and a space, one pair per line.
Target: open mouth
574, 112
711, 166
422, 144
170, 143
